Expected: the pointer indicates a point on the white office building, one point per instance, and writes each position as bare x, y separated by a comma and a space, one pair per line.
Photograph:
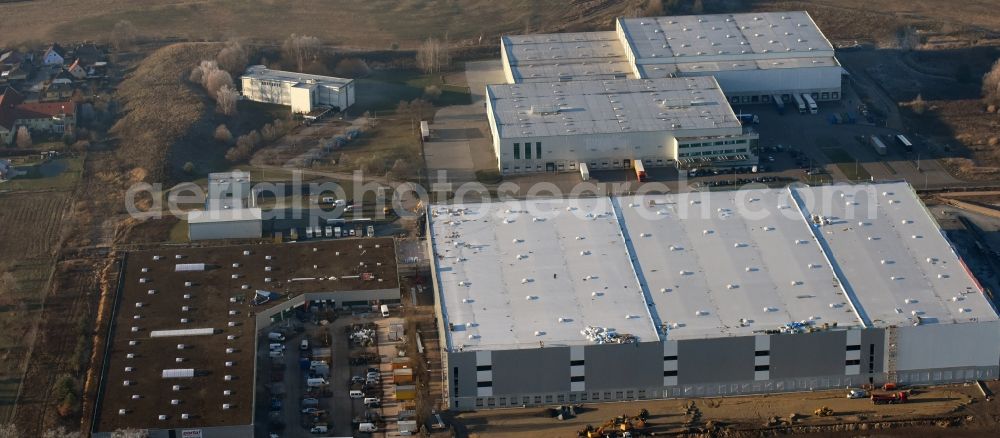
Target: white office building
554, 126
305, 93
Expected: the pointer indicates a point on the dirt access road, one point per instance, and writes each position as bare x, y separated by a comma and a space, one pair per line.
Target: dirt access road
735, 413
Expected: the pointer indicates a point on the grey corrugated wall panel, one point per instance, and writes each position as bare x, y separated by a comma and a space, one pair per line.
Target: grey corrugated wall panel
466, 364
715, 360
611, 366
807, 354
531, 370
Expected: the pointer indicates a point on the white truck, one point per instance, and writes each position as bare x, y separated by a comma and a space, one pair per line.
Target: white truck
584, 172
275, 336
329, 231
799, 103
810, 103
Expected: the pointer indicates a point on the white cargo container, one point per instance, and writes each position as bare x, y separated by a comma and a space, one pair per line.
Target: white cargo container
584, 172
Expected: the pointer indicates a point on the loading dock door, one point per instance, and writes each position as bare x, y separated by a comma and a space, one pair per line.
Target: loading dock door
550, 167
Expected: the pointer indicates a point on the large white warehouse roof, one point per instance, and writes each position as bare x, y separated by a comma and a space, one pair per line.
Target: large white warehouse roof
538, 109
755, 35
577, 55
521, 273
699, 265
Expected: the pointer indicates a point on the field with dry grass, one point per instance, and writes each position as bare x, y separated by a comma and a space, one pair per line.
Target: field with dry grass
30, 231
367, 24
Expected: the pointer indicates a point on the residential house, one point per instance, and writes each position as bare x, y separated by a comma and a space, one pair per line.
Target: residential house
9, 100
59, 88
76, 70
14, 66
89, 54
54, 55
41, 118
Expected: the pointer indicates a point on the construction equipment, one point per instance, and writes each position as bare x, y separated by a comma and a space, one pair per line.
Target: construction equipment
891, 398
621, 426
823, 411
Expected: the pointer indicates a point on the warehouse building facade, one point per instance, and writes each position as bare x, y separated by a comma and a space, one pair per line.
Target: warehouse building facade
230, 212
554, 126
702, 294
304, 93
756, 57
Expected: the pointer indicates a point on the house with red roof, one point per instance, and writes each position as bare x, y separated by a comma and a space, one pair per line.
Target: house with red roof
41, 118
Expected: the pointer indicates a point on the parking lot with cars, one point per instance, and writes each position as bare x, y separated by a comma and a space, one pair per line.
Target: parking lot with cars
325, 373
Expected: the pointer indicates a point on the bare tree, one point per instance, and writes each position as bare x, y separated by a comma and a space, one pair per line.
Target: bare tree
23, 138
908, 38
9, 431
226, 99
123, 35
130, 433
697, 7
217, 79
301, 48
233, 57
208, 74
432, 55
222, 134
61, 432
416, 110
991, 84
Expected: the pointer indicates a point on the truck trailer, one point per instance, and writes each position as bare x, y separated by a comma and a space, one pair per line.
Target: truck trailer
584, 172
640, 170
878, 145
780, 104
810, 103
801, 104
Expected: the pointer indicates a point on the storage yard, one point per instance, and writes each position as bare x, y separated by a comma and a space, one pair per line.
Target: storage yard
702, 295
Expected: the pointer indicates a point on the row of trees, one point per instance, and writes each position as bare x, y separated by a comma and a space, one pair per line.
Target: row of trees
216, 76
991, 85
248, 143
433, 55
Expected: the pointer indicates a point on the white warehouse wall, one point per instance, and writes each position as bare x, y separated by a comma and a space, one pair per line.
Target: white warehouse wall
248, 229
776, 81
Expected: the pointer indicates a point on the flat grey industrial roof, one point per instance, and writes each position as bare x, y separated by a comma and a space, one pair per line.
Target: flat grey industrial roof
577, 55
614, 106
755, 35
715, 270
264, 73
508, 270
895, 257
706, 67
707, 264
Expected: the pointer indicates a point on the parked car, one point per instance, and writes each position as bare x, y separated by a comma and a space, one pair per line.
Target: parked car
857, 393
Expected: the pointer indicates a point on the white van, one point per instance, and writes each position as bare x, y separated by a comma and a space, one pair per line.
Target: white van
385, 311
370, 400
357, 394
275, 336
276, 347
319, 429
304, 345
367, 427
313, 382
